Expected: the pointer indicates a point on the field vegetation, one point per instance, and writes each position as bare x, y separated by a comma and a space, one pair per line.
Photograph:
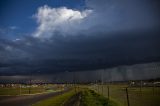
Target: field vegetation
145, 96
25, 89
93, 95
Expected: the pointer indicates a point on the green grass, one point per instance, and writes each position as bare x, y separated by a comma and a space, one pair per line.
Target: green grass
17, 91
57, 100
22, 91
90, 98
136, 98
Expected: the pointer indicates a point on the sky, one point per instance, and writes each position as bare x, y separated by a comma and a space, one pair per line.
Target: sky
50, 36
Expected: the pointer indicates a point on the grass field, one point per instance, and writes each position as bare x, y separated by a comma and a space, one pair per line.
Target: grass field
117, 95
145, 97
91, 98
28, 90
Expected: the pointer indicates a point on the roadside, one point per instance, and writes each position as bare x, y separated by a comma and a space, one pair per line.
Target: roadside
27, 100
58, 100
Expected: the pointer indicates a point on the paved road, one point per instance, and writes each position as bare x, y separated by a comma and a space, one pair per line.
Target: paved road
26, 100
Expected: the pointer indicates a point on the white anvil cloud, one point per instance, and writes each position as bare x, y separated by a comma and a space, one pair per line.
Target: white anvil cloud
63, 20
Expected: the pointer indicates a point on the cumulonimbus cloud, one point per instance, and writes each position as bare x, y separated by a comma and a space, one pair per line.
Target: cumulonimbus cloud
104, 16
62, 19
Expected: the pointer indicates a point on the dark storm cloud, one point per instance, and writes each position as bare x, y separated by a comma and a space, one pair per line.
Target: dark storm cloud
79, 53
123, 15
121, 73
115, 33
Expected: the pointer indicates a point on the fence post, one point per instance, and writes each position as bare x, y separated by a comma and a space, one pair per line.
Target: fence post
102, 89
153, 88
141, 87
20, 89
98, 87
108, 91
127, 96
102, 80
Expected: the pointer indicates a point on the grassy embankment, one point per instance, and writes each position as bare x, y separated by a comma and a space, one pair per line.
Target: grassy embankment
91, 98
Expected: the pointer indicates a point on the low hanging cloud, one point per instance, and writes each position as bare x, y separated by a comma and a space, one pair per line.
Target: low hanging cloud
62, 20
